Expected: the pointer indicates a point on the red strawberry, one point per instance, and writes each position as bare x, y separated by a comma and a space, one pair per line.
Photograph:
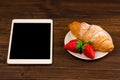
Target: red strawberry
72, 45
89, 51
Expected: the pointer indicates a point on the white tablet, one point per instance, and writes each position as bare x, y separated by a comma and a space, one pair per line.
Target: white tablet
31, 41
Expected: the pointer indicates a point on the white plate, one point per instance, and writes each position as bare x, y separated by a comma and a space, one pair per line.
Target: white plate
98, 54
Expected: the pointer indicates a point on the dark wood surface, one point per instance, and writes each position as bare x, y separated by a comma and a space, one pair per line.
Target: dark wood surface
65, 67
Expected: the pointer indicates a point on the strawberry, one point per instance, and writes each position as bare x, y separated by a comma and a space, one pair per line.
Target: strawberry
75, 45
72, 45
89, 51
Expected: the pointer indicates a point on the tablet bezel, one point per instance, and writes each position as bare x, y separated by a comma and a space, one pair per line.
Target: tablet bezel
31, 61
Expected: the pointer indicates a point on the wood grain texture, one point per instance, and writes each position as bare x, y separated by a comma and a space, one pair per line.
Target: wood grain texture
65, 67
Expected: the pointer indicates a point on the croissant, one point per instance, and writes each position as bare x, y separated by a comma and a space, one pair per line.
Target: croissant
98, 37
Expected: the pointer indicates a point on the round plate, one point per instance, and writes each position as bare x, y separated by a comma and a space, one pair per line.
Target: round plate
98, 54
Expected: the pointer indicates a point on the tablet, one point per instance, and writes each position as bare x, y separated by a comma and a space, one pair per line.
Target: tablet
30, 41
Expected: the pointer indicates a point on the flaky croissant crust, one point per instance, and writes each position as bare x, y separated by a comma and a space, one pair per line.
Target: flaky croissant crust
98, 37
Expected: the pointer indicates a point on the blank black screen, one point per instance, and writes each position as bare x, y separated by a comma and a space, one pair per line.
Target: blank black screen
30, 41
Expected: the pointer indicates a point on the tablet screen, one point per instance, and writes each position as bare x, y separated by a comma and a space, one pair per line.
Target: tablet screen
30, 42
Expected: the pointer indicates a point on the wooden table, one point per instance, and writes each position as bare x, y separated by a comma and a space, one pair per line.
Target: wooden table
65, 67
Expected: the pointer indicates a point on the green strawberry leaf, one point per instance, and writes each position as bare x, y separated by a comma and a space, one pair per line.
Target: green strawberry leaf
80, 46
88, 42
83, 47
